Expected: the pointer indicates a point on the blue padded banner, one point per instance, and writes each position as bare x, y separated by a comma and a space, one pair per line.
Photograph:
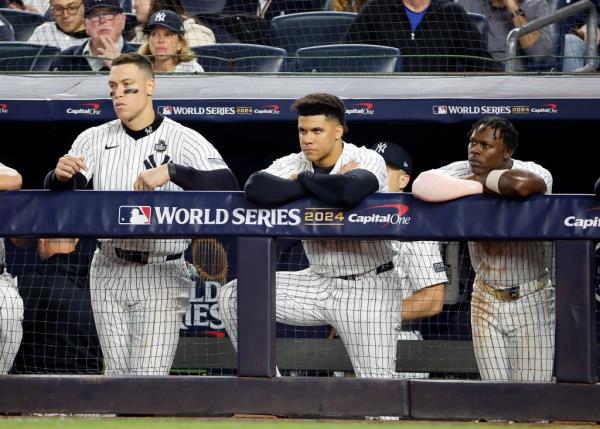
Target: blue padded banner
184, 214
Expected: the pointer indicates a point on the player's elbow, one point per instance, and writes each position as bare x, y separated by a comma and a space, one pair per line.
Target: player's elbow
525, 188
12, 180
421, 188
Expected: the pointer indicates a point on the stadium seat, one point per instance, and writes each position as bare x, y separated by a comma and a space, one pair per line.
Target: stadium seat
240, 57
135, 46
300, 30
7, 34
23, 23
24, 57
348, 58
198, 7
130, 22
481, 22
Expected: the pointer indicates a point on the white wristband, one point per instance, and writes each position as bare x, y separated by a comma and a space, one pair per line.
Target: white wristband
491, 182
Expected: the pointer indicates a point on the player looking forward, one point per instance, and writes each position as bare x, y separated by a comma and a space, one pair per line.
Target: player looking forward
351, 284
139, 288
512, 306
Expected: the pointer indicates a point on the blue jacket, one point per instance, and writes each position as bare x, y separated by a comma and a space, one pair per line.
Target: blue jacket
72, 59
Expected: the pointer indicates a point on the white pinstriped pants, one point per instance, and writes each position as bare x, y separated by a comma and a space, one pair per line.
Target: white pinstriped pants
11, 318
365, 313
138, 310
514, 340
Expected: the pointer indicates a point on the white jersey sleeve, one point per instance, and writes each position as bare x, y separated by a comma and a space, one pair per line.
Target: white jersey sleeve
287, 166
199, 153
458, 169
373, 162
419, 265
84, 145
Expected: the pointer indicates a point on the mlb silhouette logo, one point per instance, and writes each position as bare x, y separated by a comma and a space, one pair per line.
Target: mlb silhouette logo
165, 110
134, 215
440, 110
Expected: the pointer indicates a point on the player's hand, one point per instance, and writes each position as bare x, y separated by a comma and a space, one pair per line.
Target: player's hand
68, 166
294, 176
108, 50
480, 179
349, 167
149, 180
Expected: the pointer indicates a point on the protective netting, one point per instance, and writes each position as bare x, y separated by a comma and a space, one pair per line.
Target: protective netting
468, 311
336, 36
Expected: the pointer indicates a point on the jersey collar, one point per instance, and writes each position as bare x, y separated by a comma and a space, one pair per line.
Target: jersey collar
136, 135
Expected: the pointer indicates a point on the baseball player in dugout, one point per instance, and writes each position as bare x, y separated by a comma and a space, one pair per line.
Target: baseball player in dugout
11, 304
419, 263
512, 305
139, 287
350, 284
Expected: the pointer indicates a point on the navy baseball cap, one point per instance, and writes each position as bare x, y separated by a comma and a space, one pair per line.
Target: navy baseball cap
395, 155
167, 19
89, 5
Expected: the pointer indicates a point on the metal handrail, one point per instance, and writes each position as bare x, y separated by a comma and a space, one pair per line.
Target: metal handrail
591, 60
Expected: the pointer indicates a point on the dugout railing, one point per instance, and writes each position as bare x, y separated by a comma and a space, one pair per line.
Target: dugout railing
568, 220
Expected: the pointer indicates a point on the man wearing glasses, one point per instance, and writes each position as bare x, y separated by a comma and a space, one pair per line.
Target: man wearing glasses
104, 23
68, 28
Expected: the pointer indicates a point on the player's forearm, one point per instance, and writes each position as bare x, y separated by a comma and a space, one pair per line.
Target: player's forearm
424, 303
10, 180
78, 181
436, 187
340, 189
191, 179
519, 184
269, 190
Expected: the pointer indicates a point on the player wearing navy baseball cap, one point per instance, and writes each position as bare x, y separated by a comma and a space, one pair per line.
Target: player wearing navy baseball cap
399, 164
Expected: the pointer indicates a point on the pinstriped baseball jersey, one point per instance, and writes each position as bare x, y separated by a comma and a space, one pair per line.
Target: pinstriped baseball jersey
419, 265
507, 263
115, 159
332, 258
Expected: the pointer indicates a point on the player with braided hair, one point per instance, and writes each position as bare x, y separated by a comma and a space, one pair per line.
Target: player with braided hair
512, 306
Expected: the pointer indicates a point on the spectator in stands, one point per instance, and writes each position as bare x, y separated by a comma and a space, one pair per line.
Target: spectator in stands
59, 333
350, 284
419, 263
432, 36
167, 47
504, 15
195, 33
20, 5
11, 304
575, 42
345, 5
269, 9
68, 28
104, 23
513, 299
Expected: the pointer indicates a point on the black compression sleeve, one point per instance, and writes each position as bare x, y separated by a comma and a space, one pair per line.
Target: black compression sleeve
76, 182
190, 179
269, 190
340, 189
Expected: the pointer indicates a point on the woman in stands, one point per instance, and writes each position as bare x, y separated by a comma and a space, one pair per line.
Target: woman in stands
195, 33
166, 45
345, 5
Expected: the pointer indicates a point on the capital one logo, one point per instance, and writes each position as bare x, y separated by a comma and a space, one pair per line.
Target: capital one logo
134, 215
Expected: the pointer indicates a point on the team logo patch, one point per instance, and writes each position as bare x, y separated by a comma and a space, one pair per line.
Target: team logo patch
439, 267
134, 215
161, 146
3, 108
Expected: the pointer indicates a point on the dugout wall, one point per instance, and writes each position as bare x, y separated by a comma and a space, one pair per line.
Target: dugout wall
573, 396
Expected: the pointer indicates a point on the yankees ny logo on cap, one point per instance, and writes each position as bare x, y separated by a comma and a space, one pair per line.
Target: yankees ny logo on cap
381, 147
160, 17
